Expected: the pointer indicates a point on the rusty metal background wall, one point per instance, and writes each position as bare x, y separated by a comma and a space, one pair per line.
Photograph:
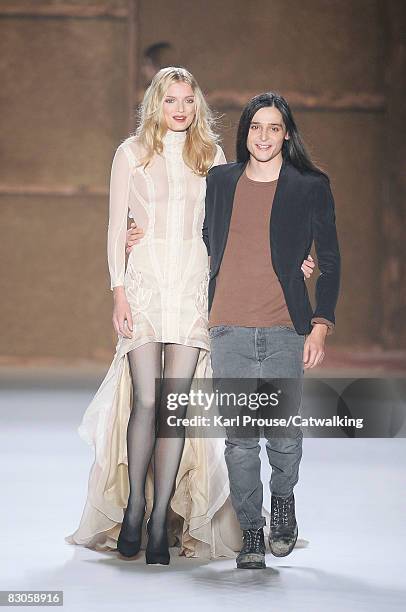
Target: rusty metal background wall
71, 74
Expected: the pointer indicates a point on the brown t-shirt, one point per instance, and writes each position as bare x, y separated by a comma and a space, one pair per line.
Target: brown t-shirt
248, 292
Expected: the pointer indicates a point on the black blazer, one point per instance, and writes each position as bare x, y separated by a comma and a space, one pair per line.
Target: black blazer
302, 211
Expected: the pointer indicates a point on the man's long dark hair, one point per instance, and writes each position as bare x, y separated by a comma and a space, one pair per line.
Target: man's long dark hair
293, 150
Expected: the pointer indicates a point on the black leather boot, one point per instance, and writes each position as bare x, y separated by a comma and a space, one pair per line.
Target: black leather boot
283, 532
252, 554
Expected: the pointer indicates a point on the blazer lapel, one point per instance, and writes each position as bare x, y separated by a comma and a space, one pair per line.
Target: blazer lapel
225, 207
280, 192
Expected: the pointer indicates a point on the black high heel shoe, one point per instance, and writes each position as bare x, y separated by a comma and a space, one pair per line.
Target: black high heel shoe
158, 555
129, 548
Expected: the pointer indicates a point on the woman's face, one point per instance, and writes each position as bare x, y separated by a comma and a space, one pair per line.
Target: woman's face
179, 106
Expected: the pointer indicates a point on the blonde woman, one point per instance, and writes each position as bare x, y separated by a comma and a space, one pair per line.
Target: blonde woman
160, 315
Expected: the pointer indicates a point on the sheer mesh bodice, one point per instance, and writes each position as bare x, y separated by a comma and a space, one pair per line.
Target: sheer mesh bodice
166, 278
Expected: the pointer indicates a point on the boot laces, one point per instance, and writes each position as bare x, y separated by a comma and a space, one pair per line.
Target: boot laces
252, 539
282, 510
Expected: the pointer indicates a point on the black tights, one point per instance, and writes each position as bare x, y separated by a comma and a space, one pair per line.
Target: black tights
146, 366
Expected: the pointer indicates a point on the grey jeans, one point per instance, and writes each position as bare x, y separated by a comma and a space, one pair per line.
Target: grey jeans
266, 353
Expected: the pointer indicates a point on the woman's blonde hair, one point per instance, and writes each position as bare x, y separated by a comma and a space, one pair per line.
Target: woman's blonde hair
200, 144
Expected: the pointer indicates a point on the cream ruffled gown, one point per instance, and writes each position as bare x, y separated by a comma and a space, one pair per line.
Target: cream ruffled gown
166, 283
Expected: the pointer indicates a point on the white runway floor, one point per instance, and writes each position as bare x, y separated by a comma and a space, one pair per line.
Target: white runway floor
350, 507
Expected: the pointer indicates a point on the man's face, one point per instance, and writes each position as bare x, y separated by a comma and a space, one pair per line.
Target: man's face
266, 134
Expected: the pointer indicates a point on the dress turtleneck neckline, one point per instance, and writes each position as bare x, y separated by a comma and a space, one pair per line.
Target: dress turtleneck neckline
174, 139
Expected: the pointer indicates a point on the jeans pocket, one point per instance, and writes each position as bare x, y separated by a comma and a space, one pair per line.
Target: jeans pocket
218, 330
287, 327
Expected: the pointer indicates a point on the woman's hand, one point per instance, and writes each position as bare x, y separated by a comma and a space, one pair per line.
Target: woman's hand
134, 234
122, 317
308, 266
